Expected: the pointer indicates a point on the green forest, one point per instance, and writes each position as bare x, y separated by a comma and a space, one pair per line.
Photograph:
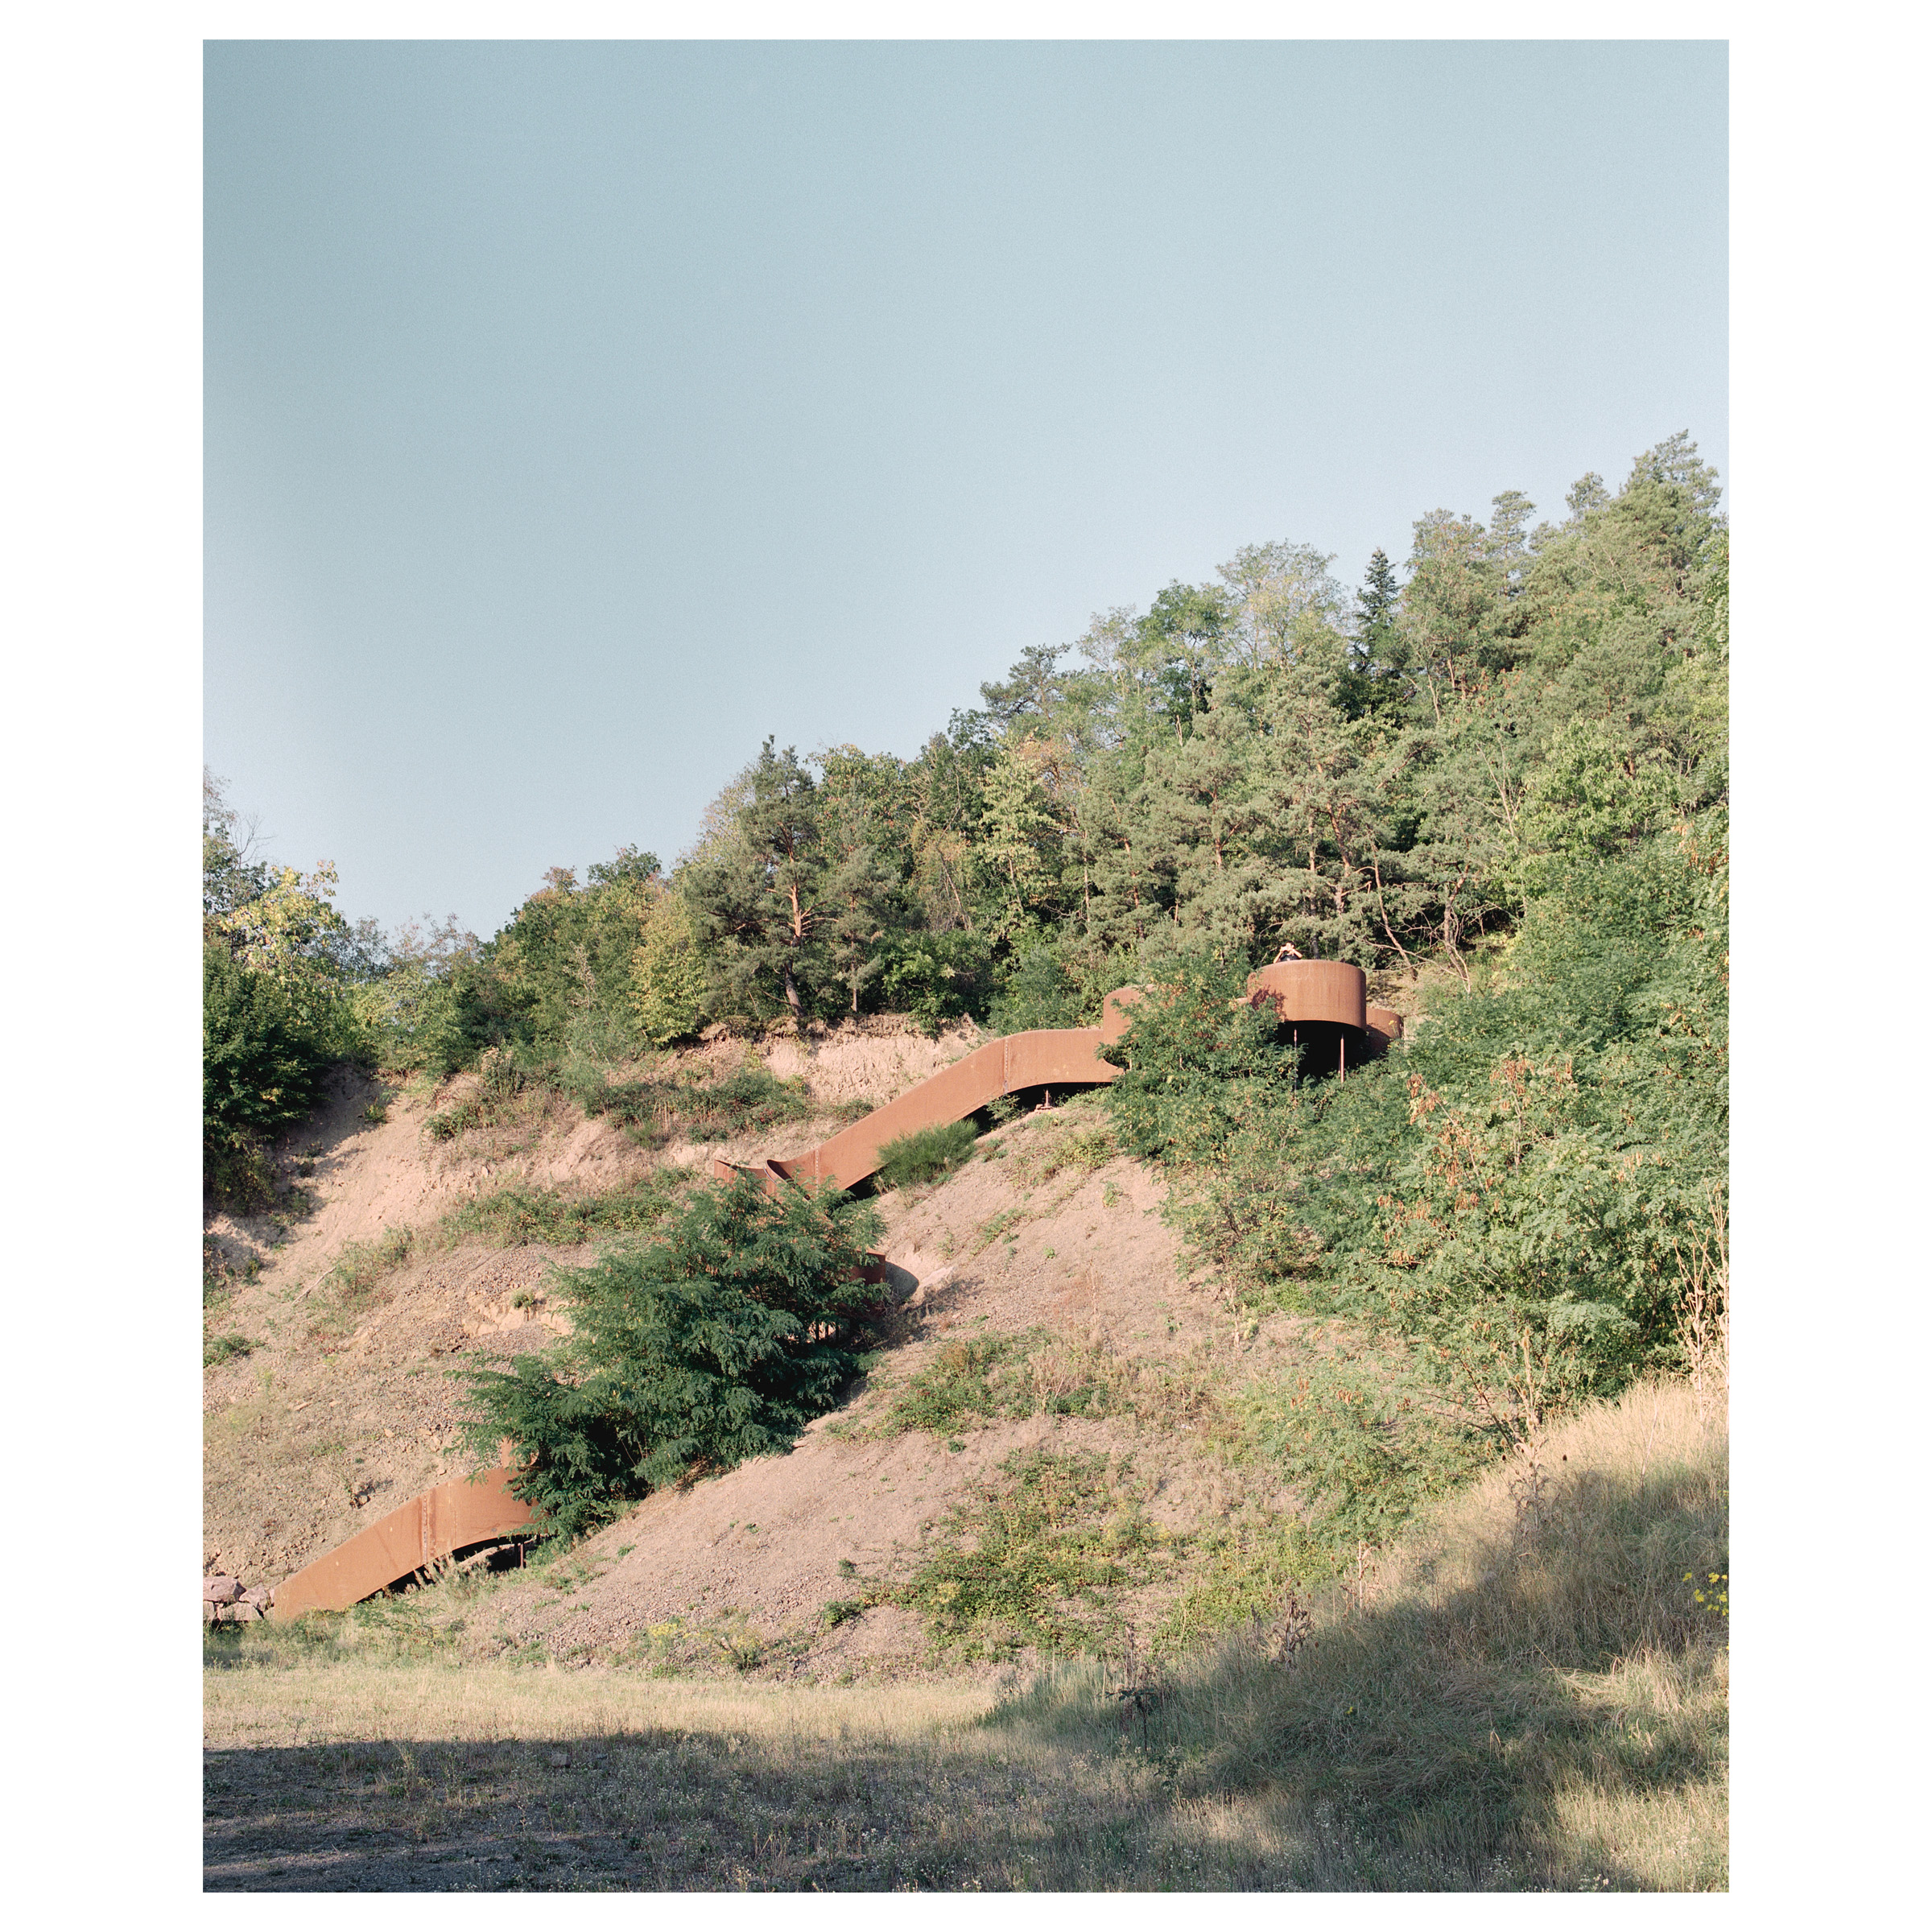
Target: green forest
1494, 776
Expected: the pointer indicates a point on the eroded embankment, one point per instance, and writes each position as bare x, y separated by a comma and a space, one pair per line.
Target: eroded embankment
1052, 1369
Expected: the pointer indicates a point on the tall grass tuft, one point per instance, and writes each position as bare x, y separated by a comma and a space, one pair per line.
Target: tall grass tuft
915, 1158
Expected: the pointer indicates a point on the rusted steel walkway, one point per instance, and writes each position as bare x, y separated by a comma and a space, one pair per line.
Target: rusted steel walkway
1063, 1056
1324, 1000
452, 1516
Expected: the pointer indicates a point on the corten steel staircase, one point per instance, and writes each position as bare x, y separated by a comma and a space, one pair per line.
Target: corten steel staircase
1050, 1057
1323, 1001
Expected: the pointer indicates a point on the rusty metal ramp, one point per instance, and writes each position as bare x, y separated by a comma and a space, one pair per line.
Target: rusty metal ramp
460, 1515
452, 1516
1048, 1057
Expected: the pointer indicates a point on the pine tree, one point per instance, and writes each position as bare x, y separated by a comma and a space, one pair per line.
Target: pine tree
861, 898
1378, 653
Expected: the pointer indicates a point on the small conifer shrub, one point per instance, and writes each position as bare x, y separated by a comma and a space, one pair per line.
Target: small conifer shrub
718, 1339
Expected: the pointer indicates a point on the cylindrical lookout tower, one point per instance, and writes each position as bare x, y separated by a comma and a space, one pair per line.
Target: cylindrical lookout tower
1324, 1004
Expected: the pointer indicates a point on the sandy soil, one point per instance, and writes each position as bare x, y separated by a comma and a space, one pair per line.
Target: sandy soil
1089, 1258
311, 1436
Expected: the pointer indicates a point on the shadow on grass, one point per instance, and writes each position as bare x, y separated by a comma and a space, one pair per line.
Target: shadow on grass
1542, 1706
1521, 1702
651, 1810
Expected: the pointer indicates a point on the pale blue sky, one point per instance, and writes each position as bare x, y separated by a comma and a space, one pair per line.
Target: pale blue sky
579, 414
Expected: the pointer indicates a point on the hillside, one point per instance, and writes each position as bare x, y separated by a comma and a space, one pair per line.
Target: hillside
1044, 1262
1163, 1385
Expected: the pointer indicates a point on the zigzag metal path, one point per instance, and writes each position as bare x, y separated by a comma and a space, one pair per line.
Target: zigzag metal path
455, 1516
1323, 1000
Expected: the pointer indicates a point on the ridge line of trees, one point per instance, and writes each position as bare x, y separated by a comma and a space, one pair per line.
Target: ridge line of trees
1394, 775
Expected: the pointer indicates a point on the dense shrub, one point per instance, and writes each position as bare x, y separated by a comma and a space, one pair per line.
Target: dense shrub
937, 976
1194, 1063
263, 1062
1504, 1204
1041, 990
717, 1339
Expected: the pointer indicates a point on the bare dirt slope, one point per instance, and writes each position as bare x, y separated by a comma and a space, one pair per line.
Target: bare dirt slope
342, 1406
1046, 1239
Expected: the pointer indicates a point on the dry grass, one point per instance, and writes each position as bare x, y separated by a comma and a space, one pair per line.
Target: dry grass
1513, 1701
1519, 1699
342, 1703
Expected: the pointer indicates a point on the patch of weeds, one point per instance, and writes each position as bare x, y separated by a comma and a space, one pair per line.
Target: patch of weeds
363, 1264
1030, 1557
398, 1629
841, 1610
958, 1382
677, 1647
1002, 1107
1110, 1196
217, 1275
1048, 1153
1250, 1565
221, 1349
376, 1112
500, 1079
411, 1626
992, 1229
982, 1378
349, 1288
314, 1636
1361, 1437
515, 1216
914, 1158
749, 1098
452, 1122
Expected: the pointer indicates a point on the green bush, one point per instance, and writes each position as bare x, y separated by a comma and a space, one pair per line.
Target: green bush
925, 1156
937, 976
1194, 1064
462, 1016
1041, 990
718, 1339
263, 1063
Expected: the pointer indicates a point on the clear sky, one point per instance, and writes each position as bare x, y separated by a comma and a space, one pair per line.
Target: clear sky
577, 416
